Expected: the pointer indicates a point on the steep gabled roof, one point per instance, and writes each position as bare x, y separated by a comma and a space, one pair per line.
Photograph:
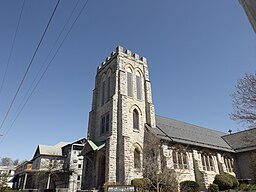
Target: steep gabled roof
81, 142
242, 141
181, 132
50, 150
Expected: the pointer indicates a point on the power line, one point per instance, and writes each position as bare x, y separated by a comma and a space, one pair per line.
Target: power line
31, 61
27, 95
48, 65
42, 66
11, 51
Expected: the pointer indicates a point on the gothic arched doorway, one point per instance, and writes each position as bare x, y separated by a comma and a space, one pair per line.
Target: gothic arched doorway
101, 170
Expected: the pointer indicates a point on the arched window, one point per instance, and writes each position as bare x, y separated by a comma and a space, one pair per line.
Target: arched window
103, 89
207, 162
129, 82
135, 119
138, 85
137, 164
180, 159
108, 86
104, 124
229, 163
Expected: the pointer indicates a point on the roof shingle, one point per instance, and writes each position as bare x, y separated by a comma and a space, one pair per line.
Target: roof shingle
186, 133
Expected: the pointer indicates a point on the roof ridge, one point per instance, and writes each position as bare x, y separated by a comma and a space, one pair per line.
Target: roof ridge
191, 124
191, 134
239, 132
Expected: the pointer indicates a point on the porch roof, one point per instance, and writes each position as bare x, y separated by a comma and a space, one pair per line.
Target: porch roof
92, 146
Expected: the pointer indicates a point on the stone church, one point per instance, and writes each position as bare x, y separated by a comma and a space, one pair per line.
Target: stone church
123, 111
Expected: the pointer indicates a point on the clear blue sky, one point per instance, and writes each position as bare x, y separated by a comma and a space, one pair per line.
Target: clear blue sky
196, 51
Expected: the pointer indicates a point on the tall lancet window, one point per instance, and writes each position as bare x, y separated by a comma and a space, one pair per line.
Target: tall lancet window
129, 82
180, 159
138, 85
103, 89
229, 163
207, 162
137, 164
135, 119
108, 88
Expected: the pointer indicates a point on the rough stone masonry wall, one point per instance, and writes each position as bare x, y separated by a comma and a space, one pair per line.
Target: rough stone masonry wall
122, 139
195, 170
132, 138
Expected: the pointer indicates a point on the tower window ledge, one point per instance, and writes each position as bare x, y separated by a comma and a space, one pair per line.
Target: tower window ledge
137, 170
183, 171
209, 172
136, 130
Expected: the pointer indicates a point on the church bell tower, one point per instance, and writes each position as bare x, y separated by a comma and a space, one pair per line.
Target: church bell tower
121, 106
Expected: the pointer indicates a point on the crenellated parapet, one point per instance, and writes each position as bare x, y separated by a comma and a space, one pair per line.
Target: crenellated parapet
125, 53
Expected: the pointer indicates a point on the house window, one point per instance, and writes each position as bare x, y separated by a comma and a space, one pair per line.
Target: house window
138, 85
229, 163
104, 125
129, 82
180, 159
79, 165
78, 177
207, 162
137, 164
135, 119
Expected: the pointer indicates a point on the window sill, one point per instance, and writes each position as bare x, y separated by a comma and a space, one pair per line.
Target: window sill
130, 96
136, 130
182, 171
137, 169
208, 172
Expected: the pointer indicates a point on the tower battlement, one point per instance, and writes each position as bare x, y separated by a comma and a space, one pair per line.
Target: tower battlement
120, 51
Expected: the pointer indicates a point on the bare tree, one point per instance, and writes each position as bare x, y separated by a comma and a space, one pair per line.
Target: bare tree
244, 105
160, 177
16, 162
51, 173
6, 161
244, 100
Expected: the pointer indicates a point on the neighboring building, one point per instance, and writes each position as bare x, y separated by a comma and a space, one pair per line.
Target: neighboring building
7, 172
46, 154
123, 114
52, 167
74, 163
23, 173
250, 10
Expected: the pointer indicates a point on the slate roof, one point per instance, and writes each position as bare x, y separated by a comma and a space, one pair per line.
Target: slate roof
242, 141
181, 132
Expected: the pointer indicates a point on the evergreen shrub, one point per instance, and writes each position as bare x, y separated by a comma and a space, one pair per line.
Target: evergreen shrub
213, 188
226, 181
140, 182
189, 186
234, 180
